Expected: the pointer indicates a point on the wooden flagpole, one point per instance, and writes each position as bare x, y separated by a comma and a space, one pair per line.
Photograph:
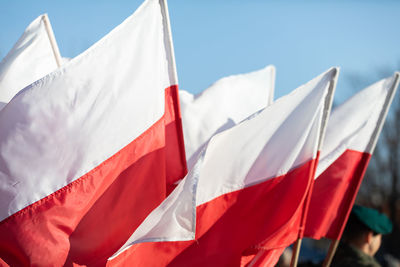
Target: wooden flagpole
173, 77
52, 39
331, 252
324, 123
370, 148
296, 253
168, 42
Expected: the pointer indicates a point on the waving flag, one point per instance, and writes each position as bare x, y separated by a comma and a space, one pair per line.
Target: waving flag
224, 104
351, 136
247, 187
30, 59
84, 151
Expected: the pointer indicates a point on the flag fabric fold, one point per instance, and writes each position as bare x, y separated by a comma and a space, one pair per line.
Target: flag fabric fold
351, 136
30, 59
224, 104
83, 151
247, 188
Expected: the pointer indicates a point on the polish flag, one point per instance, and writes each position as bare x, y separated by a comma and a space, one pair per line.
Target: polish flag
85, 152
30, 59
247, 187
351, 136
223, 105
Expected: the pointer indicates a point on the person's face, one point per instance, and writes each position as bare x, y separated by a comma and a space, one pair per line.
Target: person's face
374, 244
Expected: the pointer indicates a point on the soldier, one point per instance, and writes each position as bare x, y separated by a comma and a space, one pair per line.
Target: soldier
362, 238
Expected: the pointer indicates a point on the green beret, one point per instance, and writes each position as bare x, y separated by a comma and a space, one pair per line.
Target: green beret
374, 220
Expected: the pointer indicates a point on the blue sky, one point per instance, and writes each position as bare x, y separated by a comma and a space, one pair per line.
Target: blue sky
216, 38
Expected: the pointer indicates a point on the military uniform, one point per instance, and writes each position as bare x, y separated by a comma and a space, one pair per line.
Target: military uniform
349, 256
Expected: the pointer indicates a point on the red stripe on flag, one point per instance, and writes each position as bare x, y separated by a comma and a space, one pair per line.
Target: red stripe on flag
88, 220
334, 194
227, 226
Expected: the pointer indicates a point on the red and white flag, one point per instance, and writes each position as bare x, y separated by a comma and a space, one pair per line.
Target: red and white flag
85, 151
351, 136
247, 187
30, 59
225, 103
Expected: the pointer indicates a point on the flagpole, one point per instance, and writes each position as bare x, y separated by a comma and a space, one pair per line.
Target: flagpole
382, 116
328, 107
52, 39
173, 77
370, 149
324, 123
168, 42
296, 252
331, 252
